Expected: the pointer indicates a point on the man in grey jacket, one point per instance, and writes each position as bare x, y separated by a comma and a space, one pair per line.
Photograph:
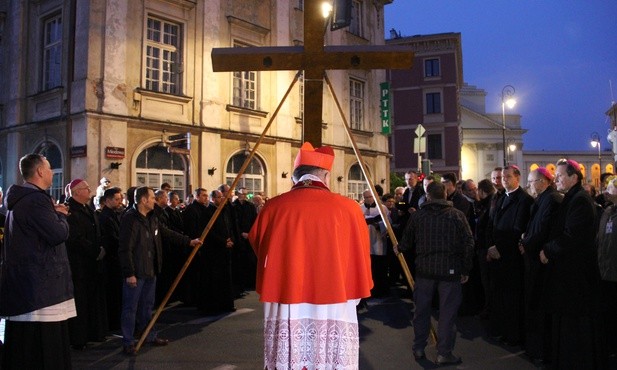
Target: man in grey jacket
440, 236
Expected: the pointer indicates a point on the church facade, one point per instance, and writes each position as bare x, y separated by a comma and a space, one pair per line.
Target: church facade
115, 88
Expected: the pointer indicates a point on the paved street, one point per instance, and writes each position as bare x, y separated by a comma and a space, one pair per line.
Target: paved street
235, 342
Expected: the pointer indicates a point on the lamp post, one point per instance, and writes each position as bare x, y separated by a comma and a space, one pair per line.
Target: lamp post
507, 98
595, 143
511, 147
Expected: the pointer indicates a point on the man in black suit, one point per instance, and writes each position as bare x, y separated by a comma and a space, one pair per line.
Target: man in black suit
508, 223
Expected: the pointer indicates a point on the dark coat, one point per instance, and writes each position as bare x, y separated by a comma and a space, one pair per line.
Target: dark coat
509, 222
84, 243
607, 244
246, 214
109, 221
35, 265
141, 244
573, 275
442, 240
195, 217
543, 213
175, 219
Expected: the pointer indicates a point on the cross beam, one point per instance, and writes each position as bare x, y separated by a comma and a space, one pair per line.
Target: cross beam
314, 58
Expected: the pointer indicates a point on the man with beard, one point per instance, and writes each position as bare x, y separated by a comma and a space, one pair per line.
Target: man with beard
543, 212
509, 221
572, 287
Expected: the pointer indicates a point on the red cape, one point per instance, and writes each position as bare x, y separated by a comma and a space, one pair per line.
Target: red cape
312, 246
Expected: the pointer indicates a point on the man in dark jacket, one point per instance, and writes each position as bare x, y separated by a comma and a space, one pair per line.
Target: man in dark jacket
442, 240
36, 276
86, 256
571, 290
508, 223
109, 221
244, 264
543, 212
141, 258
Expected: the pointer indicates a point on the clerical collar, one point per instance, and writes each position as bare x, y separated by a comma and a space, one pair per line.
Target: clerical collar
310, 181
510, 192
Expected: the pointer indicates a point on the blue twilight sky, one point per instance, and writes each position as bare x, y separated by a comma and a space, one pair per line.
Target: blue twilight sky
558, 54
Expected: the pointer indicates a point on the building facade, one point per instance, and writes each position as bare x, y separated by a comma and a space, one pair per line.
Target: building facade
482, 135
109, 87
428, 94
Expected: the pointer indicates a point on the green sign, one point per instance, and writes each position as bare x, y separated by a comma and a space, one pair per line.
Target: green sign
384, 105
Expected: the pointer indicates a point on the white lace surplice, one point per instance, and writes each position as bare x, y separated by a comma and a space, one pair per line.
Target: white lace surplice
312, 337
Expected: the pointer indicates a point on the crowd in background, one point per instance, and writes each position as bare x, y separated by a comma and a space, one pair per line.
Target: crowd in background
544, 275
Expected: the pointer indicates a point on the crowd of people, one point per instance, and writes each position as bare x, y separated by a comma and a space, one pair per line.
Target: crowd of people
98, 264
538, 262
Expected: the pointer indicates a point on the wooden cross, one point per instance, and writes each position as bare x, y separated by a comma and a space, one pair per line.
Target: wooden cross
314, 58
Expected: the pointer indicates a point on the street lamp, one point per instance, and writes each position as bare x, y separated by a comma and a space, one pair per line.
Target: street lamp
595, 143
511, 147
507, 98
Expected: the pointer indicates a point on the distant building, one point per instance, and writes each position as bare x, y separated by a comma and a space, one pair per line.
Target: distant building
428, 94
482, 134
100, 86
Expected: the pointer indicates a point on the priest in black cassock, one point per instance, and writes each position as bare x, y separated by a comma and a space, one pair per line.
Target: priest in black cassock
571, 291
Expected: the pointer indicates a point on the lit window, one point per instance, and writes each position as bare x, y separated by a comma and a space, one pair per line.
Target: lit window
252, 179
52, 52
163, 56
356, 182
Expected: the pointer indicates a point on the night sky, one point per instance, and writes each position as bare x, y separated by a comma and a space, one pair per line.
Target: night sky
558, 54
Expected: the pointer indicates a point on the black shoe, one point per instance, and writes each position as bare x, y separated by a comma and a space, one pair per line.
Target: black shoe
419, 354
448, 359
129, 350
159, 342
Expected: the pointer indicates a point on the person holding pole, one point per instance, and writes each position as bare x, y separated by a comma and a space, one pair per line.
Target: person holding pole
442, 240
313, 267
141, 252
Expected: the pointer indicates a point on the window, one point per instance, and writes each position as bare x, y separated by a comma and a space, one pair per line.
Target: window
434, 148
163, 56
356, 104
433, 103
53, 155
356, 18
155, 166
356, 182
431, 68
253, 177
52, 52
245, 88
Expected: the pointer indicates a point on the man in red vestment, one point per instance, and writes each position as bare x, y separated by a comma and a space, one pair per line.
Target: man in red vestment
313, 267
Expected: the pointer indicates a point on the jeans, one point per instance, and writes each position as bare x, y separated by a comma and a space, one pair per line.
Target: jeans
137, 303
